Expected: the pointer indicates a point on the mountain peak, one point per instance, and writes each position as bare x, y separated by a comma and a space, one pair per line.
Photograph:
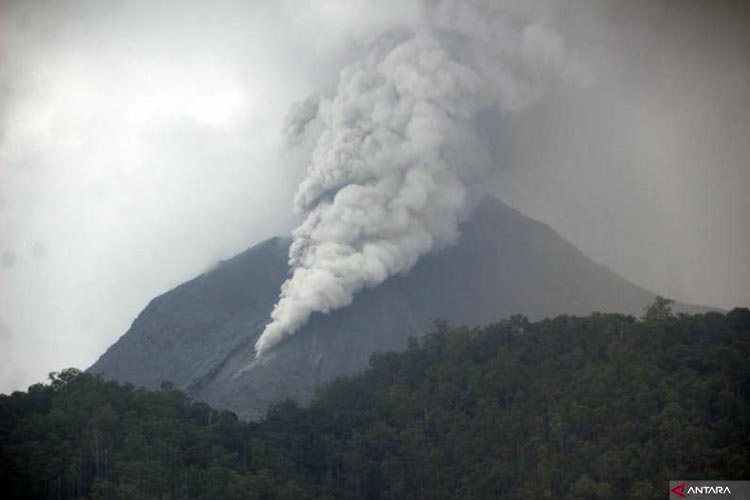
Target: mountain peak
491, 211
489, 204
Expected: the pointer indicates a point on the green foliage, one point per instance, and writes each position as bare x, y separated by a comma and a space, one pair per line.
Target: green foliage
601, 407
661, 308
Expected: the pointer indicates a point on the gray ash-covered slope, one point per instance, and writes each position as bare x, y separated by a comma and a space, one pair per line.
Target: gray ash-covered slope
201, 335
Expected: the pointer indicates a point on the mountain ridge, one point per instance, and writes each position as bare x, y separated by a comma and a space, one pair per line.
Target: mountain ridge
201, 335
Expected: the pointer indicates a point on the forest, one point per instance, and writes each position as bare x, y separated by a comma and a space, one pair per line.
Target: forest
599, 407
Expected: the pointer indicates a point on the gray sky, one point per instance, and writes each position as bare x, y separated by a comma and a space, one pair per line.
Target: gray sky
140, 144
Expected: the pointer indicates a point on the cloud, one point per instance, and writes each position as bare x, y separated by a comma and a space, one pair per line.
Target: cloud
140, 145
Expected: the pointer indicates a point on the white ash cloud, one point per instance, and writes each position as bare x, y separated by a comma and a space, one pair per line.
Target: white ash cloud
398, 150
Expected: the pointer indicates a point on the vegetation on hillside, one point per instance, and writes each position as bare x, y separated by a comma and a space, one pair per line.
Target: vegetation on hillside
600, 407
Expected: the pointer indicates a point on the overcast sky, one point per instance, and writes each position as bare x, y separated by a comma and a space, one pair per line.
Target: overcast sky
140, 144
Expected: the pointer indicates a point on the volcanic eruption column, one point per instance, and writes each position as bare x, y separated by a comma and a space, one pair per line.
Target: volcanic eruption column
399, 148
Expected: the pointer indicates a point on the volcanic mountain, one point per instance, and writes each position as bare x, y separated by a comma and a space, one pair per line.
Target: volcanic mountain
201, 335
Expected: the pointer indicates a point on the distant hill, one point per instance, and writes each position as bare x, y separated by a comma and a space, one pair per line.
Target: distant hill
597, 407
201, 335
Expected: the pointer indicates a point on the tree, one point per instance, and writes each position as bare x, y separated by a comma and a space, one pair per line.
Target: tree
659, 309
596, 407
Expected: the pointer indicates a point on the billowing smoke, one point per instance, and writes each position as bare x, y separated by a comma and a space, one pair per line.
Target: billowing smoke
399, 151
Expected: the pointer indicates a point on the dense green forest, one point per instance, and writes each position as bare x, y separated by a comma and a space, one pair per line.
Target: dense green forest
605, 406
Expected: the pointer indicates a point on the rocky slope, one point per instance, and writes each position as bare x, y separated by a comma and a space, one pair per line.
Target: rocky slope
200, 336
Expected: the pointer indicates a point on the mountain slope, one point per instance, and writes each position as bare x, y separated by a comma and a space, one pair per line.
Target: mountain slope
201, 335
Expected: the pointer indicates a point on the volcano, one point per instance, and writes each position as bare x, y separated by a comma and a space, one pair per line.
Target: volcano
200, 336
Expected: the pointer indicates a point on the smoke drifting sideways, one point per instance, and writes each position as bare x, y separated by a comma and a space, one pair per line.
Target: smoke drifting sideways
398, 151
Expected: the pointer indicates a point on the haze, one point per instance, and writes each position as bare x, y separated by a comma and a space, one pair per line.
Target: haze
140, 144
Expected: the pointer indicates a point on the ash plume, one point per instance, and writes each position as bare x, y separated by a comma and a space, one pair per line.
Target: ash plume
399, 151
